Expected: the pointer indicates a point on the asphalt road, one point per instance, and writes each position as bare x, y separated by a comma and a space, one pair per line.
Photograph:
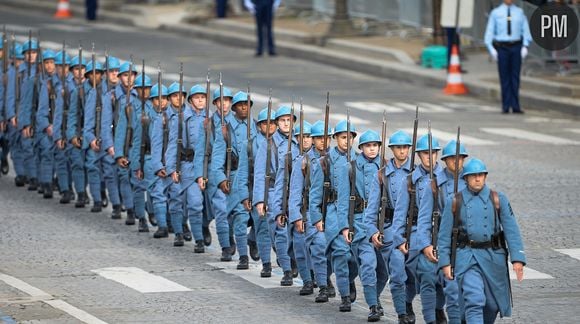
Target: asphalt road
60, 252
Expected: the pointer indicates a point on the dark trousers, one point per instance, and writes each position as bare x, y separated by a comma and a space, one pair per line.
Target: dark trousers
509, 63
264, 20
221, 7
451, 39
91, 6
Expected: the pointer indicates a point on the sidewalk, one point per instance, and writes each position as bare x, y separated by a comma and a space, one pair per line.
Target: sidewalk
391, 57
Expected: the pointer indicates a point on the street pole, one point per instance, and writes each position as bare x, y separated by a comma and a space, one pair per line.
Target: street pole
341, 23
437, 29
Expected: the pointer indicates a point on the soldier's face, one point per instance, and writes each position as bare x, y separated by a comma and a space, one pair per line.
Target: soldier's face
400, 152
226, 106
371, 150
79, 73
97, 77
508, 2
241, 110
174, 99
198, 101
450, 163
155, 102
264, 127
113, 76
144, 92
49, 66
30, 56
424, 156
59, 70
306, 142
318, 142
125, 79
341, 141
475, 182
18, 62
284, 124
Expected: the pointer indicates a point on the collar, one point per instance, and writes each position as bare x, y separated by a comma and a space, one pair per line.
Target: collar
469, 195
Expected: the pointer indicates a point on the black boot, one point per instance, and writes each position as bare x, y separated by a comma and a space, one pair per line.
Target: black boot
206, 236
374, 315
352, 288
169, 228
287, 279
80, 203
152, 219
322, 295
33, 184
254, 254
410, 313
440, 316
40, 188
130, 217
178, 240
97, 207
4, 166
244, 263
104, 199
313, 275
187, 233
266, 270
331, 290
232, 245
116, 212
47, 191
294, 267
380, 309
226, 256
404, 319
161, 233
143, 227
66, 197
307, 289
344, 304
19, 181
199, 247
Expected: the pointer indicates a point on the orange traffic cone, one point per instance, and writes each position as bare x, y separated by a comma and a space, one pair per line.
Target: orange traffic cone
63, 10
454, 84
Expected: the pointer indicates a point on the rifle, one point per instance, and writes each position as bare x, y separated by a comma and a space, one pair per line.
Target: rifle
287, 170
36, 88
436, 213
163, 115
107, 69
179, 125
207, 129
4, 70
98, 106
268, 176
17, 79
351, 177
383, 182
305, 170
412, 211
226, 135
128, 114
28, 59
80, 97
144, 121
65, 95
455, 230
249, 149
325, 163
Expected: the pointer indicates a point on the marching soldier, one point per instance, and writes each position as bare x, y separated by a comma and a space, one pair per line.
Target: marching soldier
472, 246
392, 260
12, 109
4, 49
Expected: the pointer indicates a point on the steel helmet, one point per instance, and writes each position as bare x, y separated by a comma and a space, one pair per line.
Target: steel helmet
241, 96
400, 138
58, 58
26, 46
307, 129
155, 91
216, 94
263, 115
97, 66
174, 88
474, 166
449, 150
138, 83
48, 54
423, 144
198, 88
318, 129
124, 68
341, 127
114, 63
75, 62
370, 136
283, 111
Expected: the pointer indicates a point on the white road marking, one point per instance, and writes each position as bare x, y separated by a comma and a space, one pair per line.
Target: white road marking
253, 274
374, 107
307, 108
529, 136
445, 137
424, 107
574, 253
353, 119
574, 130
40, 295
65, 27
256, 97
140, 280
530, 274
470, 106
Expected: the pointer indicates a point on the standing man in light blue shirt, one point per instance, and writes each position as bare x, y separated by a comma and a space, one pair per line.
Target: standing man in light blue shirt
507, 38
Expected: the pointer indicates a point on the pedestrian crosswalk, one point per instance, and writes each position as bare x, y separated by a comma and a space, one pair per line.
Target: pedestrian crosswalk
529, 136
574, 253
140, 280
444, 136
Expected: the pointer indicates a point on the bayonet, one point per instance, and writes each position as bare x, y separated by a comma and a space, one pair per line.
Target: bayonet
249, 148
287, 169
207, 125
268, 176
412, 211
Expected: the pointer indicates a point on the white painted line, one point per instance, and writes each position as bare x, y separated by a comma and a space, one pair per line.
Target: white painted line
65, 27
574, 130
574, 253
264, 98
307, 108
530, 274
253, 275
445, 137
530, 136
374, 107
355, 120
40, 295
433, 108
471, 106
140, 280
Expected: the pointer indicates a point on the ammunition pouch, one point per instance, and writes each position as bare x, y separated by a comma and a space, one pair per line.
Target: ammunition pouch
147, 150
389, 213
497, 242
359, 204
234, 164
187, 155
332, 196
272, 180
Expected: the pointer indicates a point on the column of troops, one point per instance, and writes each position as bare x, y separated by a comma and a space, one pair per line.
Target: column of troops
272, 183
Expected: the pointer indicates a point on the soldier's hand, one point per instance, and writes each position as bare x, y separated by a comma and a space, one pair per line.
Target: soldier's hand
430, 253
3, 126
261, 210
76, 142
519, 270
376, 241
123, 162
26, 132
49, 130
225, 187
162, 173
139, 174
14, 122
299, 226
281, 220
201, 183
247, 204
60, 144
95, 146
319, 226
403, 248
447, 272
111, 151
175, 177
345, 235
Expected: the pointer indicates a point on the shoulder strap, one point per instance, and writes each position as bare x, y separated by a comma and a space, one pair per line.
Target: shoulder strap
495, 198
